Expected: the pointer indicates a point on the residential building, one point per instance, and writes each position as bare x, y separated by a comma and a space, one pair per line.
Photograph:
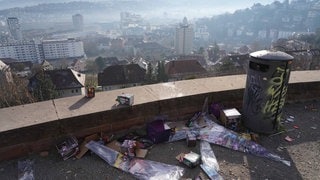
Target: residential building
20, 50
184, 69
77, 21
129, 20
111, 61
45, 65
196, 57
121, 76
151, 51
67, 82
184, 38
78, 65
14, 28
47, 49
117, 43
239, 63
21, 69
202, 33
64, 48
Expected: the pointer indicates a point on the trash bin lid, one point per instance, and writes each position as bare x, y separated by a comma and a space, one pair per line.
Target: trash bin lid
271, 55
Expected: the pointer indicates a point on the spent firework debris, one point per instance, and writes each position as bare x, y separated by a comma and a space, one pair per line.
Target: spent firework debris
140, 168
219, 135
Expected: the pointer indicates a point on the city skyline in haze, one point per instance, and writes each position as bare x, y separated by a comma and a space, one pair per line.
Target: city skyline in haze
195, 8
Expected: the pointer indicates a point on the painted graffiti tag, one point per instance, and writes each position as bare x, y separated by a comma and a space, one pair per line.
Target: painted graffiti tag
255, 94
276, 93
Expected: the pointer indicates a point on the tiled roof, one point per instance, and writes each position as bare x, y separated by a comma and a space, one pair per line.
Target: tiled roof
121, 74
113, 60
66, 78
16, 66
8, 60
149, 45
196, 57
183, 67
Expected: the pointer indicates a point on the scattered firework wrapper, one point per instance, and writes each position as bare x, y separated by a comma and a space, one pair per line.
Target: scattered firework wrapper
219, 135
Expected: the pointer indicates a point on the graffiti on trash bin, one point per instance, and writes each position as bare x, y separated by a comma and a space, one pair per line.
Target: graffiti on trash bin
255, 94
276, 93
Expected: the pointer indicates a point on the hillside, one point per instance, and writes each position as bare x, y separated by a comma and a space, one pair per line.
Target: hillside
99, 10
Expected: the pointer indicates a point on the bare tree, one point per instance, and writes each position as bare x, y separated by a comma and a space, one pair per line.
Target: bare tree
15, 93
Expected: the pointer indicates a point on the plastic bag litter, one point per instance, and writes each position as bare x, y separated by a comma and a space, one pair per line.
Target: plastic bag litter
209, 162
107, 154
207, 155
182, 134
140, 168
212, 174
146, 169
25, 170
178, 135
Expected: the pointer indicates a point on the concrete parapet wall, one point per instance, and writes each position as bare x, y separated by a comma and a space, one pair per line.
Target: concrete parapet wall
303, 91
37, 127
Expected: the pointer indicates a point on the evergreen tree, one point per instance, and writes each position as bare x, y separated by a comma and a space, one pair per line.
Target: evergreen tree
161, 74
100, 62
201, 50
91, 67
149, 74
216, 50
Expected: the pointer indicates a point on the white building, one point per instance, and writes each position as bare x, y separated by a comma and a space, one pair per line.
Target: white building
184, 38
128, 20
284, 34
202, 33
14, 28
20, 50
67, 82
48, 49
66, 48
77, 21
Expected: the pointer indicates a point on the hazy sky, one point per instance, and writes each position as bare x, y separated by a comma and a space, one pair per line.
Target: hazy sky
203, 8
231, 5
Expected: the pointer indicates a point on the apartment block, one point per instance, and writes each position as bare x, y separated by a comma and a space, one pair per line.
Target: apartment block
64, 48
47, 49
20, 50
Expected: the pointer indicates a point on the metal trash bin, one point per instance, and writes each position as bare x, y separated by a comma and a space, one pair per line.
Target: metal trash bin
266, 87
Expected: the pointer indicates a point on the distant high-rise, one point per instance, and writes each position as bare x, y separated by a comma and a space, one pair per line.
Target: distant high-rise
14, 28
128, 20
77, 20
184, 38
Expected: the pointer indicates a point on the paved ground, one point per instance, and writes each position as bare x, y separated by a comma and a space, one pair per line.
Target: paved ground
303, 152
